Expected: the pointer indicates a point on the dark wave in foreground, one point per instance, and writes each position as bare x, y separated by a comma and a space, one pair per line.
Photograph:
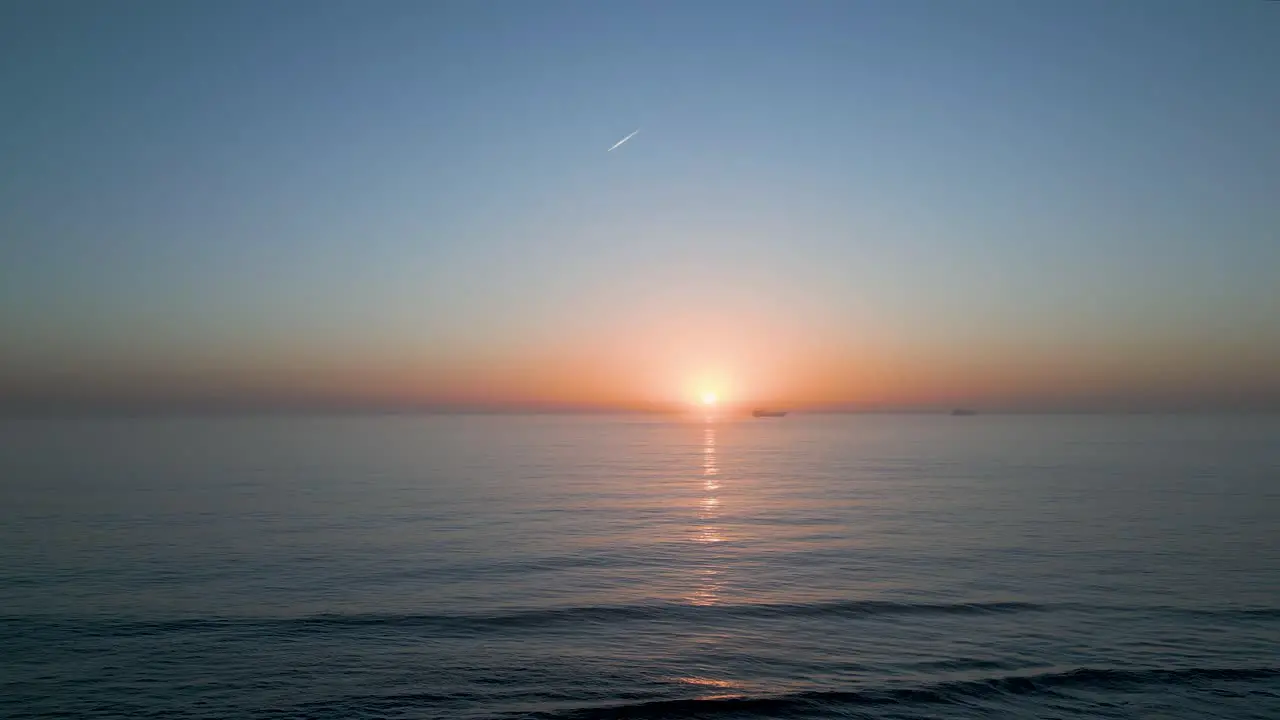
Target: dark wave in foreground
616, 613
533, 619
946, 693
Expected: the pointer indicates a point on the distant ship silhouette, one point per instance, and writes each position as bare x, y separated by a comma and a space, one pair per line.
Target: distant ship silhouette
768, 413
961, 412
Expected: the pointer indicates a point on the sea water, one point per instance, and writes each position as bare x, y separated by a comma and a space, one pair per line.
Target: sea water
878, 566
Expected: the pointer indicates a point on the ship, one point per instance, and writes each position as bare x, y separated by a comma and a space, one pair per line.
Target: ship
768, 413
963, 412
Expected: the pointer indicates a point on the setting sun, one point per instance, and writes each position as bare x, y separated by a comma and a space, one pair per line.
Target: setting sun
709, 398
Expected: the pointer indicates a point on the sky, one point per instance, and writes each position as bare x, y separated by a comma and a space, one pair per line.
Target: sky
845, 204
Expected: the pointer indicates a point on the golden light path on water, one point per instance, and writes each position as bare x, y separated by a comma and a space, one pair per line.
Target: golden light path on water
708, 530
707, 535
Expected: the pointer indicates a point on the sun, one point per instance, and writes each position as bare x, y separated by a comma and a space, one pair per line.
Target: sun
709, 399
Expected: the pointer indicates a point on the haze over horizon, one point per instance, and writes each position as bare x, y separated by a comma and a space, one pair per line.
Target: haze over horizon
405, 205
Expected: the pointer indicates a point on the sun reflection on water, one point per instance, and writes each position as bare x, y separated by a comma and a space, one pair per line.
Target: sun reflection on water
726, 686
709, 506
708, 530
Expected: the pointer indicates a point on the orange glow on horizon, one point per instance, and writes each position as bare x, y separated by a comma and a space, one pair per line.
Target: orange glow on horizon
705, 361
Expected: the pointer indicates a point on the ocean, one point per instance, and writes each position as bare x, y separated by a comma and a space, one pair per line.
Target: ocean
574, 567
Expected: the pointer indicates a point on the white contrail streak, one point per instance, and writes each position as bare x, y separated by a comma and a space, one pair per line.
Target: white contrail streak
615, 145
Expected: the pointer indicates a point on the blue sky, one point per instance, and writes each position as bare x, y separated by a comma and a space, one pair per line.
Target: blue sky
355, 190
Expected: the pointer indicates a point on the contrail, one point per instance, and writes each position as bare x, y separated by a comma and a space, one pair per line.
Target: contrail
623, 140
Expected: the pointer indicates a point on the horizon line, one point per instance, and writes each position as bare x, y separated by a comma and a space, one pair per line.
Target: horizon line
177, 411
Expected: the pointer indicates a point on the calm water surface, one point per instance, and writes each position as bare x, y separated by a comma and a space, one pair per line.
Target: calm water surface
553, 567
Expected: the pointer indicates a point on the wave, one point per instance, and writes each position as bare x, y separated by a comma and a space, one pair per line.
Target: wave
945, 693
533, 619
620, 613
1269, 613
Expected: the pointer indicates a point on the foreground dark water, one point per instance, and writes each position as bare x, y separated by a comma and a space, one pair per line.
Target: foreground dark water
491, 567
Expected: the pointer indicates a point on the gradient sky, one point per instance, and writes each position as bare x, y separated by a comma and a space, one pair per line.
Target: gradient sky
996, 202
